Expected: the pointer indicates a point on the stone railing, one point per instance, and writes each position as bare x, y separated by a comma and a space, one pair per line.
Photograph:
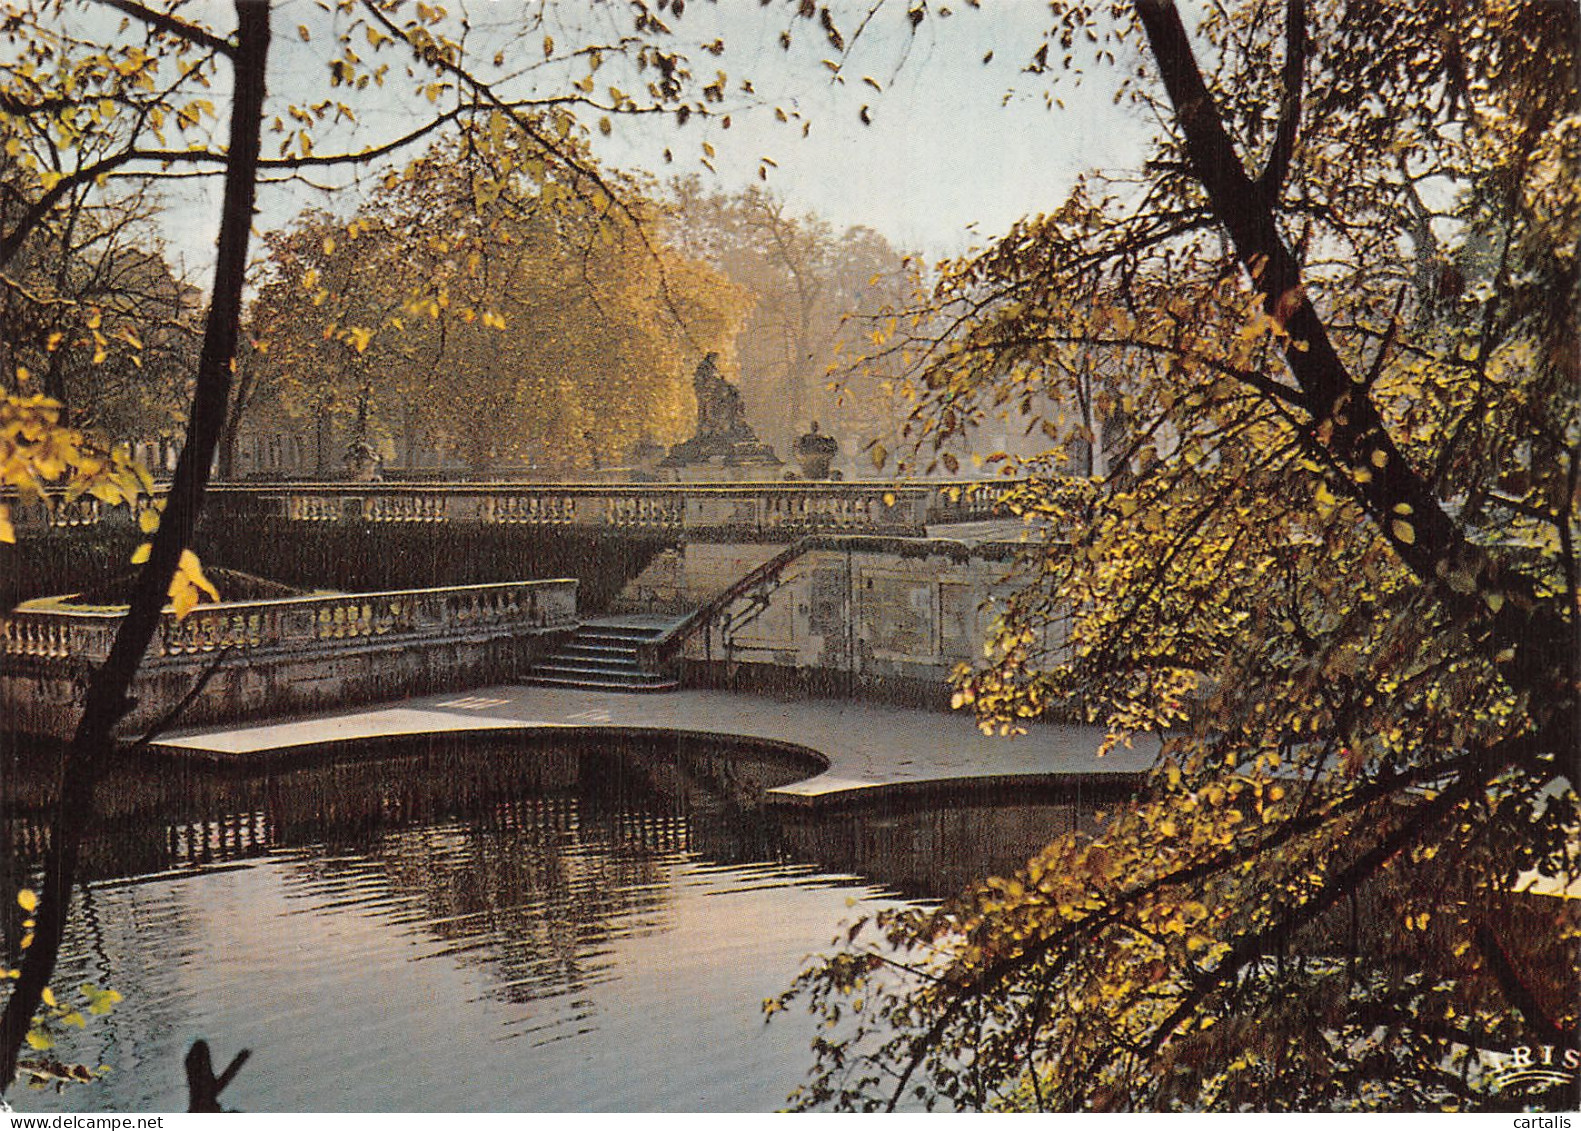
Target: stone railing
46, 636
763, 509
57, 509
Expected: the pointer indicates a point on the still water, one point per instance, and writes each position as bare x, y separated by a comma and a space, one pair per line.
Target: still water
519, 926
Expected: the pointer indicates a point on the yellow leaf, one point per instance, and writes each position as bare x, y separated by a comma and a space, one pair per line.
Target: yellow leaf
140, 555
1403, 531
27, 899
148, 521
183, 598
187, 585
48, 997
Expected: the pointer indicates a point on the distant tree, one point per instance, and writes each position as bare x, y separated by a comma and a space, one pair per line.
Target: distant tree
490, 328
816, 296
90, 309
1333, 561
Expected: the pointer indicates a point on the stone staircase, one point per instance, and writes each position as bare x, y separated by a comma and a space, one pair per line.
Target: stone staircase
602, 656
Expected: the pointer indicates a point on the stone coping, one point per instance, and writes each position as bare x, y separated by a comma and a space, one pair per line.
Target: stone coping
733, 487
863, 749
63, 606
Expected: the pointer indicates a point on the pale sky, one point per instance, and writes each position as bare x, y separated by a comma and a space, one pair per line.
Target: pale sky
945, 164
943, 151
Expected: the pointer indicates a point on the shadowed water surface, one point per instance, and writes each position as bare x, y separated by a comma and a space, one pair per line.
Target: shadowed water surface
516, 925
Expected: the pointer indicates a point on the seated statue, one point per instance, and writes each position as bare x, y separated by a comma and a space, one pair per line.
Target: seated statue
721, 414
722, 428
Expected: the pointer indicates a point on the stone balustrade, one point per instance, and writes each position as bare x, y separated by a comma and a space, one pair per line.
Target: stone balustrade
60, 510
766, 509
43, 636
283, 656
753, 509
48, 636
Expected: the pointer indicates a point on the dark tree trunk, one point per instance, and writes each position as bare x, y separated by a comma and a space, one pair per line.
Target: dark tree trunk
106, 702
323, 434
1544, 664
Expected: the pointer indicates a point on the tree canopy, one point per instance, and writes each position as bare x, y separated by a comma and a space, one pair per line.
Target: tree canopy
817, 295
463, 315
1328, 329
1331, 323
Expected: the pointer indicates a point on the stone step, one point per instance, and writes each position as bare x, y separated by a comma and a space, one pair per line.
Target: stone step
602, 657
560, 665
623, 636
655, 683
622, 648
593, 653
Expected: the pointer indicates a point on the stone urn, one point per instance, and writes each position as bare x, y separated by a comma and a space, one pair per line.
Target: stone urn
815, 451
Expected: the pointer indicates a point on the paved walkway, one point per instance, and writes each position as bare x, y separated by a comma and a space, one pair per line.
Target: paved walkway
865, 745
987, 530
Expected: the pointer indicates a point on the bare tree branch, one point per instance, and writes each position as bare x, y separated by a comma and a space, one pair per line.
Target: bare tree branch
173, 25
1284, 147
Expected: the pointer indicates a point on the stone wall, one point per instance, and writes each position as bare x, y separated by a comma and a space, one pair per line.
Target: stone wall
283, 657
681, 578
859, 614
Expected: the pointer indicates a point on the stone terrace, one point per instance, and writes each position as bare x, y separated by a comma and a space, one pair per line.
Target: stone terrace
865, 746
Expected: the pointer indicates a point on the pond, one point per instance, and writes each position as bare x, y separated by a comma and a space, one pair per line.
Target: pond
526, 924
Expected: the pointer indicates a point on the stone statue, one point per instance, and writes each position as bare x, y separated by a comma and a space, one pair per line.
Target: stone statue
721, 414
362, 462
723, 435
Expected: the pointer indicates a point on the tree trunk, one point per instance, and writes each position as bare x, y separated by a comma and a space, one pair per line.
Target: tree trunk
106, 702
225, 469
1543, 663
324, 466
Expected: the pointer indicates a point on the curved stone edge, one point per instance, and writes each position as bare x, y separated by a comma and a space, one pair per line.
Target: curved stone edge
378, 742
816, 790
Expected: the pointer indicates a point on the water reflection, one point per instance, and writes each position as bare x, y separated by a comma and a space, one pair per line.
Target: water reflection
517, 924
